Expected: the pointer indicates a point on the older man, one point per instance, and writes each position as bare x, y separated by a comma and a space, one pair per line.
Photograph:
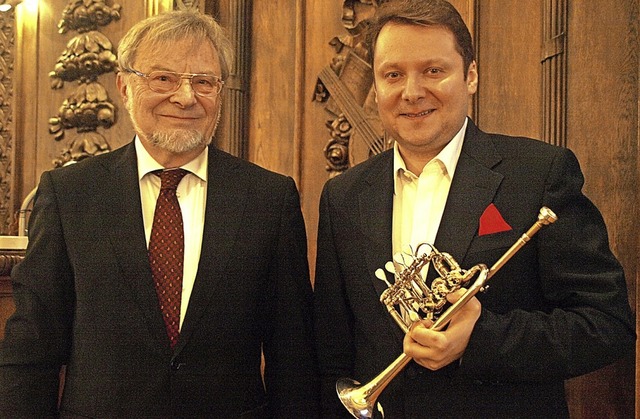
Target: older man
160, 272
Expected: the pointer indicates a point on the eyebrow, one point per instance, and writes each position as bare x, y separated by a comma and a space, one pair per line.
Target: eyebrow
437, 61
161, 68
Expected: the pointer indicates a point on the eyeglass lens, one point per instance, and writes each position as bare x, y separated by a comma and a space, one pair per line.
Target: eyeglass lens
165, 82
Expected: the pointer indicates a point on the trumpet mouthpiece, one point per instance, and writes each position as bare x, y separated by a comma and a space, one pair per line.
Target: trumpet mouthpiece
547, 216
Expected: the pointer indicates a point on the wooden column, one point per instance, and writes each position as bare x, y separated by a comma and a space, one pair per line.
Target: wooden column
232, 136
554, 72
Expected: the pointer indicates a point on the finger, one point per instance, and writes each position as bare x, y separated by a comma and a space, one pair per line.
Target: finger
424, 336
415, 349
427, 323
452, 297
425, 356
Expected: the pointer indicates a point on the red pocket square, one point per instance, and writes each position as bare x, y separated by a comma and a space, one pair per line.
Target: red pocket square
491, 221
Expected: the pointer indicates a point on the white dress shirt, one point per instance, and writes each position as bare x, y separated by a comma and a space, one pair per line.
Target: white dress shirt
419, 199
192, 196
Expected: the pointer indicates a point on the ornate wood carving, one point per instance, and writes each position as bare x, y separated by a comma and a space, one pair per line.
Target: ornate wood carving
554, 72
87, 56
154, 7
8, 260
7, 306
7, 129
186, 4
345, 88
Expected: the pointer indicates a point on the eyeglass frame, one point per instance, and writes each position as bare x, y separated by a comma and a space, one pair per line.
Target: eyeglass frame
182, 76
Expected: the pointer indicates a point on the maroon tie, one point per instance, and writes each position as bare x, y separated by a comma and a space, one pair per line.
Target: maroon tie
166, 250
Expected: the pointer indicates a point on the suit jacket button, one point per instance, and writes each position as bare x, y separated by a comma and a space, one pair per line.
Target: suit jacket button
176, 365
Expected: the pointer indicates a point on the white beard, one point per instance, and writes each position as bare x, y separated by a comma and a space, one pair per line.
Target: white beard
178, 141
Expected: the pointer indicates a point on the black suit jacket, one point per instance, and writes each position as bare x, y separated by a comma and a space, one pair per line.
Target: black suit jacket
557, 309
85, 299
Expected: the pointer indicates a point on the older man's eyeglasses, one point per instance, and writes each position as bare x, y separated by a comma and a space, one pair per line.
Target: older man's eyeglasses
207, 85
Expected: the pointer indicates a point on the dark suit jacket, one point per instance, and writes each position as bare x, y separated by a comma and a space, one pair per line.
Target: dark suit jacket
557, 309
85, 298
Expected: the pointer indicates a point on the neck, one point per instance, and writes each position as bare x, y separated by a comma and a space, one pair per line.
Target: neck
416, 161
169, 159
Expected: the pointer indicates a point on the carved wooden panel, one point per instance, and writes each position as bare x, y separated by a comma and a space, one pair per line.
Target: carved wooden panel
87, 56
7, 127
345, 90
43, 51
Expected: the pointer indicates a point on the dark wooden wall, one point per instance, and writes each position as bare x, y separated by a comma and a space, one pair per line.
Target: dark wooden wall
597, 106
563, 71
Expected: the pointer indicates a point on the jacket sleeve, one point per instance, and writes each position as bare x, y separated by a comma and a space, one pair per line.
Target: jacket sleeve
584, 320
291, 371
37, 336
333, 319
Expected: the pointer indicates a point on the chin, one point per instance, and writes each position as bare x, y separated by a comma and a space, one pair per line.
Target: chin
179, 141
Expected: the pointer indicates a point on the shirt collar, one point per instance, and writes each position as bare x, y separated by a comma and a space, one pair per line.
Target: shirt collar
448, 156
147, 164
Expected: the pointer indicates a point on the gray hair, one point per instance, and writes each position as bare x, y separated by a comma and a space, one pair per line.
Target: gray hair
158, 30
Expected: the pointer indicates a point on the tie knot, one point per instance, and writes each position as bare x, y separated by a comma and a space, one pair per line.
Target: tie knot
170, 178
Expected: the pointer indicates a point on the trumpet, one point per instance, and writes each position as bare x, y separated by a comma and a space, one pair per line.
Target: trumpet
413, 297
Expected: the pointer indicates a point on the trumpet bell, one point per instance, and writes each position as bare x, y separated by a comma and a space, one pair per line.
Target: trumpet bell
357, 399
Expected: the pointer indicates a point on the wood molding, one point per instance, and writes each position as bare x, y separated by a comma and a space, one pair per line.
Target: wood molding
8, 259
299, 90
7, 306
554, 72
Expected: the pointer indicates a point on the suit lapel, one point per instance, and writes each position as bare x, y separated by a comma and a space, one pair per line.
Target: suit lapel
123, 213
472, 190
375, 203
375, 208
227, 195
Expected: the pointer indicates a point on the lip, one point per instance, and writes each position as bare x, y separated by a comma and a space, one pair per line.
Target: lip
417, 115
180, 117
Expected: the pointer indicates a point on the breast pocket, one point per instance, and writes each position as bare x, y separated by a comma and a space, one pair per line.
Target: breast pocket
489, 248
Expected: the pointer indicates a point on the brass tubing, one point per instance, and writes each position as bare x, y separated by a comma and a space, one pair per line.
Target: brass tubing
545, 217
360, 400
